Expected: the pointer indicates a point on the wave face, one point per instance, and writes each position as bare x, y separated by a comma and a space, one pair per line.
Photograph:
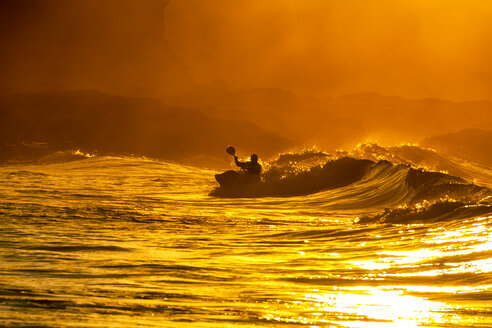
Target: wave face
427, 175
427, 159
366, 178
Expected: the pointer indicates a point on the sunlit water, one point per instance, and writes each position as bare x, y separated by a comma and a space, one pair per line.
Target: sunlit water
128, 242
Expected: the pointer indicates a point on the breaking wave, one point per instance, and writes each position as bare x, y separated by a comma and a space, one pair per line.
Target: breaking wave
410, 183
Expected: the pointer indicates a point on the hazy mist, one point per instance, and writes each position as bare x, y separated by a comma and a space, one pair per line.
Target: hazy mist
112, 45
409, 48
302, 73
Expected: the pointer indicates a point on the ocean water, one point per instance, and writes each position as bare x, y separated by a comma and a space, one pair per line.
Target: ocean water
324, 241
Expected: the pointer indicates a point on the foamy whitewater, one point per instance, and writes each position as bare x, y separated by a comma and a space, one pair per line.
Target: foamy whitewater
376, 237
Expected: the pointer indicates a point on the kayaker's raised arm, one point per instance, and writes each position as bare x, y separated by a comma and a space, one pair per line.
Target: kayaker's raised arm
243, 165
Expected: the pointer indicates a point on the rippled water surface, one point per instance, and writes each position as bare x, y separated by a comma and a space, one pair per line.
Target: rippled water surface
128, 242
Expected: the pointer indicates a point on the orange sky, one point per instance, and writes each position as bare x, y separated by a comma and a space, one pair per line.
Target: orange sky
410, 48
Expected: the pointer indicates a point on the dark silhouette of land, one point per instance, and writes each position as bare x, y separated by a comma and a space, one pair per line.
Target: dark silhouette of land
341, 122
263, 121
32, 125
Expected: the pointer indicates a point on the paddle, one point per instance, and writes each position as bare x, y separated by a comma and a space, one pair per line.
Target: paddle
231, 151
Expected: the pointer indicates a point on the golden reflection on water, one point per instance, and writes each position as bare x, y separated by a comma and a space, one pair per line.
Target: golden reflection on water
442, 248
374, 307
378, 307
461, 251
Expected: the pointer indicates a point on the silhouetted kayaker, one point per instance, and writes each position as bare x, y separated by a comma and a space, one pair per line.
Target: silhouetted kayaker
251, 172
251, 167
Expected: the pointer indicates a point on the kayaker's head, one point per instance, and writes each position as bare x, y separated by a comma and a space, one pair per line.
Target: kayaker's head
254, 158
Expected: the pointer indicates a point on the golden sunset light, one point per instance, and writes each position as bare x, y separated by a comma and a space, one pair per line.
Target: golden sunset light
247, 163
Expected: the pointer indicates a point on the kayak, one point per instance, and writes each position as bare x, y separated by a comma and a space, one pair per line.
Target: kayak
234, 179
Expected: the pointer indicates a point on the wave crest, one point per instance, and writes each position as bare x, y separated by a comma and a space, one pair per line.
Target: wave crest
367, 179
64, 156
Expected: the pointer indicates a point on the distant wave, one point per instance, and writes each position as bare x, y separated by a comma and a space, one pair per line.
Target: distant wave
366, 178
64, 156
